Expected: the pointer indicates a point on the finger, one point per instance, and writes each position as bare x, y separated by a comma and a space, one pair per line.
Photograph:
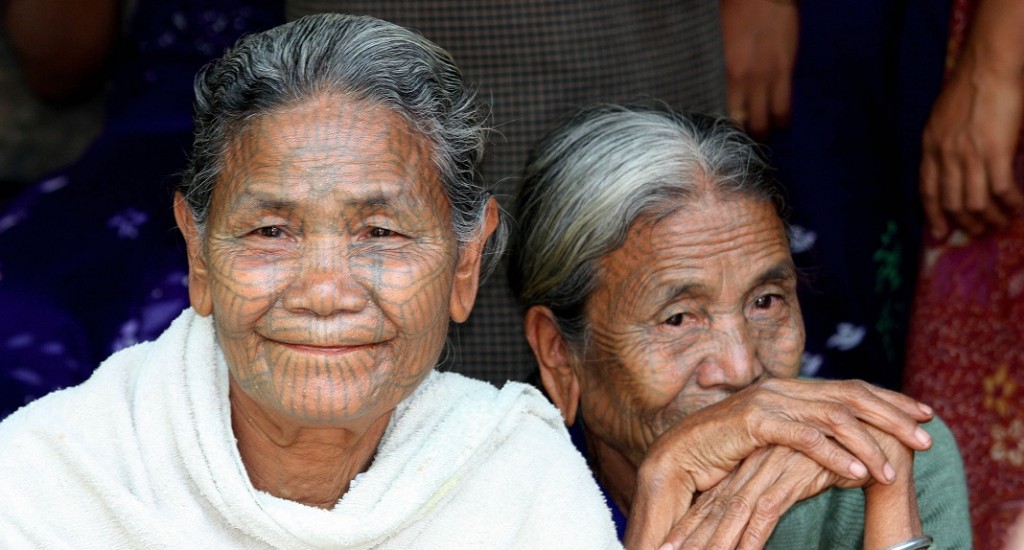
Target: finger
808, 402
953, 192
979, 201
762, 524
839, 421
700, 535
889, 411
757, 111
930, 200
993, 215
764, 495
736, 102
776, 500
653, 514
852, 435
976, 193
701, 521
806, 434
698, 514
1004, 188
722, 502
781, 100
908, 405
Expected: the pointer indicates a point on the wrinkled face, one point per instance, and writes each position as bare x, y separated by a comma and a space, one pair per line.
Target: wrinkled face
693, 307
329, 259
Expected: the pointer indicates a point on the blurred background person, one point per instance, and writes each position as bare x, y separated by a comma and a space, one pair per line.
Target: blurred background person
965, 354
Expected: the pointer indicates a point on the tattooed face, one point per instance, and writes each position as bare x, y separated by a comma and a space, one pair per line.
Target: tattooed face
328, 261
693, 307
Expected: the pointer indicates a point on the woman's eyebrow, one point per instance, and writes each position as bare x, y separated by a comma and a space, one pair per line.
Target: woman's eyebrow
260, 201
684, 289
780, 272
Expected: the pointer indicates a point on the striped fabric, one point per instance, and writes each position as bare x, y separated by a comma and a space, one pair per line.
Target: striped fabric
533, 61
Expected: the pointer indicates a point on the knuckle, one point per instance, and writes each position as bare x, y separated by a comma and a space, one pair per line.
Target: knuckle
948, 147
836, 414
1001, 189
975, 208
808, 437
858, 389
753, 538
717, 508
739, 506
768, 509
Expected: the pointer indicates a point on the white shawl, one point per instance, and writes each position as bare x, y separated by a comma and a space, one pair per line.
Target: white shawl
142, 455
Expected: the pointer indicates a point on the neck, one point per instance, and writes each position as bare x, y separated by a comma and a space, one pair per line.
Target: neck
312, 465
613, 470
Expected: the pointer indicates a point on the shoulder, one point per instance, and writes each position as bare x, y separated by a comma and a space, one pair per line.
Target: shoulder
522, 476
63, 408
514, 402
60, 462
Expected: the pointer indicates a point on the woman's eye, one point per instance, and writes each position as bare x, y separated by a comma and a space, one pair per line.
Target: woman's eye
270, 232
675, 320
380, 233
766, 301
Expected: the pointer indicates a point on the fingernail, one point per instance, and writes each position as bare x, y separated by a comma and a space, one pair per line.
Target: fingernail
925, 409
858, 470
889, 472
667, 546
922, 436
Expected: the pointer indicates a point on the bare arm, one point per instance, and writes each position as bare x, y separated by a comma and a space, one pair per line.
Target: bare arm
890, 514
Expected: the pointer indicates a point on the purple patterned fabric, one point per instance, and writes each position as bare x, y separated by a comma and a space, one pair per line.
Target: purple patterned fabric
90, 260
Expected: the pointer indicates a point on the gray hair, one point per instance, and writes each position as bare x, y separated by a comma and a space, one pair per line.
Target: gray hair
591, 178
363, 59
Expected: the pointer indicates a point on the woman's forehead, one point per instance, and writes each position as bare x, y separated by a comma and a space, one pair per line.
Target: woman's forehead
709, 239
329, 149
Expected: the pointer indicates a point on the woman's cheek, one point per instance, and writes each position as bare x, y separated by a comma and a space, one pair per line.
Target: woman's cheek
780, 347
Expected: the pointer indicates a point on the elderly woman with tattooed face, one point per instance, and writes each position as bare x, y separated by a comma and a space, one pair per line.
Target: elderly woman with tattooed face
335, 227
662, 309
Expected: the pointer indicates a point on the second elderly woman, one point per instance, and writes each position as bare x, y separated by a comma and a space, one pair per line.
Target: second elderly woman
655, 268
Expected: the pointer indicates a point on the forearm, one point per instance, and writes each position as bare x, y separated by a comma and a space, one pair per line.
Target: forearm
995, 42
61, 44
891, 515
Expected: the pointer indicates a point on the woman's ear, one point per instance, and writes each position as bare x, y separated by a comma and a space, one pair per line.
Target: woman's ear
560, 379
198, 274
467, 271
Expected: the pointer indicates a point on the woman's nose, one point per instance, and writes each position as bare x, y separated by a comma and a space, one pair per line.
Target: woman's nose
732, 361
324, 284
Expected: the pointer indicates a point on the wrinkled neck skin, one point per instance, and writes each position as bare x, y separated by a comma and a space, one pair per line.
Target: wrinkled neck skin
613, 470
310, 465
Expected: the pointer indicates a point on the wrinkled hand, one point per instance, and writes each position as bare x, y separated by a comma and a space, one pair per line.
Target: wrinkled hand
760, 39
826, 420
744, 508
749, 502
968, 148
